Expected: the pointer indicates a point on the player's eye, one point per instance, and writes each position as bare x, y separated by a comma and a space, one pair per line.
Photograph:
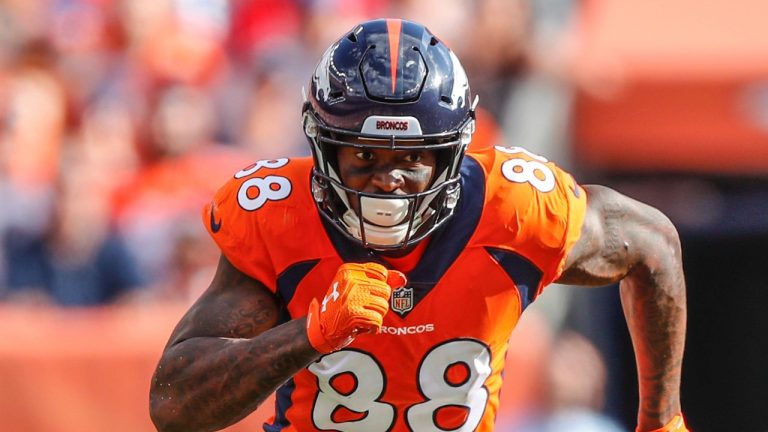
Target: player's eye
413, 157
364, 155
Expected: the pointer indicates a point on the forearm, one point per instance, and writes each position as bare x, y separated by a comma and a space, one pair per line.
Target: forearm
204, 384
653, 298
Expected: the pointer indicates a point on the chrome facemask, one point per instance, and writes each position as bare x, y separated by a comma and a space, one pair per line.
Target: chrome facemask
385, 221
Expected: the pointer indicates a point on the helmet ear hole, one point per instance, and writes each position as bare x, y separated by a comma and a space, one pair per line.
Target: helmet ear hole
319, 191
452, 195
310, 126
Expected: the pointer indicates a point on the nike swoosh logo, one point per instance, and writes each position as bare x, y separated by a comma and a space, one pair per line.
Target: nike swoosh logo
576, 190
215, 226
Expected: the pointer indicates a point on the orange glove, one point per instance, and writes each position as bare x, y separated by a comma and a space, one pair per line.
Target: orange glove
675, 425
355, 304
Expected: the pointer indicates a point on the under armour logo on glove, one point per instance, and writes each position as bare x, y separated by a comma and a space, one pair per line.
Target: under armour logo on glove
333, 295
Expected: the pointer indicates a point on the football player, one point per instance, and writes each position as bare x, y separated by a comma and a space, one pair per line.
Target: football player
374, 286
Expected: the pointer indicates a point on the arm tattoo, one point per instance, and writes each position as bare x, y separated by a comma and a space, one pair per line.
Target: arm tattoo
211, 383
653, 299
225, 356
624, 240
601, 256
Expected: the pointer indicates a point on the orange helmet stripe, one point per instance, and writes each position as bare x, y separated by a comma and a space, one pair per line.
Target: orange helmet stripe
393, 29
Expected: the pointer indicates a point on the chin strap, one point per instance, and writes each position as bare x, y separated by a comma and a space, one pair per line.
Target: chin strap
383, 212
377, 235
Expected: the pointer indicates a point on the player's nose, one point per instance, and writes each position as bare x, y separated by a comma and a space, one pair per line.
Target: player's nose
387, 180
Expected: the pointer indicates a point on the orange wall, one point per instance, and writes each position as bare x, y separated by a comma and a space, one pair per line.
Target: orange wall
84, 370
676, 86
89, 370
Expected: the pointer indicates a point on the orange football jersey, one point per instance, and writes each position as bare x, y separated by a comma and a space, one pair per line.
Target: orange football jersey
436, 364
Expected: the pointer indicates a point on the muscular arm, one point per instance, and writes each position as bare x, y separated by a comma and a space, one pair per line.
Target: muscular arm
625, 240
225, 356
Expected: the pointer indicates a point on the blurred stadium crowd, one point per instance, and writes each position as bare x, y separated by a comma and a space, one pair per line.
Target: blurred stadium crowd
121, 118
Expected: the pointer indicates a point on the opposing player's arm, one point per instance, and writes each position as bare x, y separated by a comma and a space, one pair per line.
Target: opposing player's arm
628, 241
226, 356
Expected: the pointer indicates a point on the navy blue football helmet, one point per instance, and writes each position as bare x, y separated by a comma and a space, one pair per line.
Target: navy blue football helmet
395, 84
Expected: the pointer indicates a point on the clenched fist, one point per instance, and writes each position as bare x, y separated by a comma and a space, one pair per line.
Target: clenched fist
355, 303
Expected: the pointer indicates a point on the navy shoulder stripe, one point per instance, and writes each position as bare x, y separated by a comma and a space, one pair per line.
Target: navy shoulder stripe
523, 273
290, 278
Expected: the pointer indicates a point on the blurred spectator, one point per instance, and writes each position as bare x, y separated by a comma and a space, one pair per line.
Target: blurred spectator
184, 167
452, 20
187, 41
108, 136
326, 19
33, 110
36, 118
86, 37
258, 26
535, 108
574, 390
498, 50
79, 260
162, 100
271, 127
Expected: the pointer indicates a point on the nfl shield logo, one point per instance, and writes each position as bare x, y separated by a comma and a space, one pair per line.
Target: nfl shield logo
402, 300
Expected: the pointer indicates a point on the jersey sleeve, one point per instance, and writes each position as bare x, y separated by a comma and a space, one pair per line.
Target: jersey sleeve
537, 208
575, 208
237, 233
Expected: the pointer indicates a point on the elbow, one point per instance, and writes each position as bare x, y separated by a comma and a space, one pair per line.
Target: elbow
660, 248
655, 251
671, 248
161, 411
163, 414
166, 410
671, 234
659, 270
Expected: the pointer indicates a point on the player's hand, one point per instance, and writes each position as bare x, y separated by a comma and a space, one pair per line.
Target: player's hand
675, 425
355, 303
